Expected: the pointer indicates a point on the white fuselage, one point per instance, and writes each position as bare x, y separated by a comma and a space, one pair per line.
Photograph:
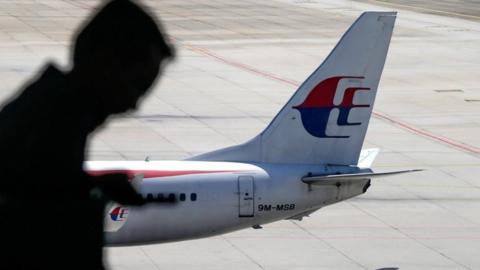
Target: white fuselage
210, 198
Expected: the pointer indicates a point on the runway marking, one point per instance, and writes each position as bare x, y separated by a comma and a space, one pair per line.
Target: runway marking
239, 65
149, 258
241, 251
80, 4
424, 9
458, 145
410, 235
323, 240
380, 115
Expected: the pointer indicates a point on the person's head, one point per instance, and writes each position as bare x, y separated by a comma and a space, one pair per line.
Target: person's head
118, 55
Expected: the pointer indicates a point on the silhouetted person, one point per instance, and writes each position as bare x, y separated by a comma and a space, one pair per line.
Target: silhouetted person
51, 215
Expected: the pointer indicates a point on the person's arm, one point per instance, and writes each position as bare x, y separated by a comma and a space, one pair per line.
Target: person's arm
117, 187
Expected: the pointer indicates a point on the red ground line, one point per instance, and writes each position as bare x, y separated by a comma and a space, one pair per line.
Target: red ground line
380, 115
451, 142
241, 66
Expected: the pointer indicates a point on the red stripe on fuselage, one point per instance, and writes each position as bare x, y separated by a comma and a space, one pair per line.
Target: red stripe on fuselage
151, 173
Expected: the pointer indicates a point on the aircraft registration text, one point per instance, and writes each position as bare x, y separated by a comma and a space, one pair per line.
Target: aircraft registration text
278, 207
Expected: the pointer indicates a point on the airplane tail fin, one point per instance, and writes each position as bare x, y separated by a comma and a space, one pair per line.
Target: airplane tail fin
326, 120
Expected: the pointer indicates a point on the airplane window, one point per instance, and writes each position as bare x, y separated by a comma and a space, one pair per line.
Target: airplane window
160, 197
149, 197
182, 197
193, 197
171, 197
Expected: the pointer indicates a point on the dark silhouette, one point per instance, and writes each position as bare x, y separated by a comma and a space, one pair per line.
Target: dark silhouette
51, 210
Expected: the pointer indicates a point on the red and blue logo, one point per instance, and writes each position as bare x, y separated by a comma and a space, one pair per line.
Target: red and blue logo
118, 213
316, 108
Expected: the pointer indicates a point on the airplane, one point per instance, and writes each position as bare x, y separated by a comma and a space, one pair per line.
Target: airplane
308, 157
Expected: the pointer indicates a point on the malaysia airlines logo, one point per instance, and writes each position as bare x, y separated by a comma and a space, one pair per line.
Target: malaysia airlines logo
316, 108
118, 213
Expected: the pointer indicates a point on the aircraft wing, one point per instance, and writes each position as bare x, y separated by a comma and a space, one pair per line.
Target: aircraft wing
335, 179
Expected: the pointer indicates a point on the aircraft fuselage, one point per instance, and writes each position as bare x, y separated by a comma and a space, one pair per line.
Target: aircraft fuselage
219, 198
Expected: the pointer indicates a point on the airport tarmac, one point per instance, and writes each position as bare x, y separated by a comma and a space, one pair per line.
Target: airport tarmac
237, 63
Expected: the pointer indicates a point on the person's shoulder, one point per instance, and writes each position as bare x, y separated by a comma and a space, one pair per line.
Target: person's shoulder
38, 98
50, 75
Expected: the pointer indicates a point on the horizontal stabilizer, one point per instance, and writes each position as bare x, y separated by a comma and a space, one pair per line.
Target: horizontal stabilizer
334, 179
